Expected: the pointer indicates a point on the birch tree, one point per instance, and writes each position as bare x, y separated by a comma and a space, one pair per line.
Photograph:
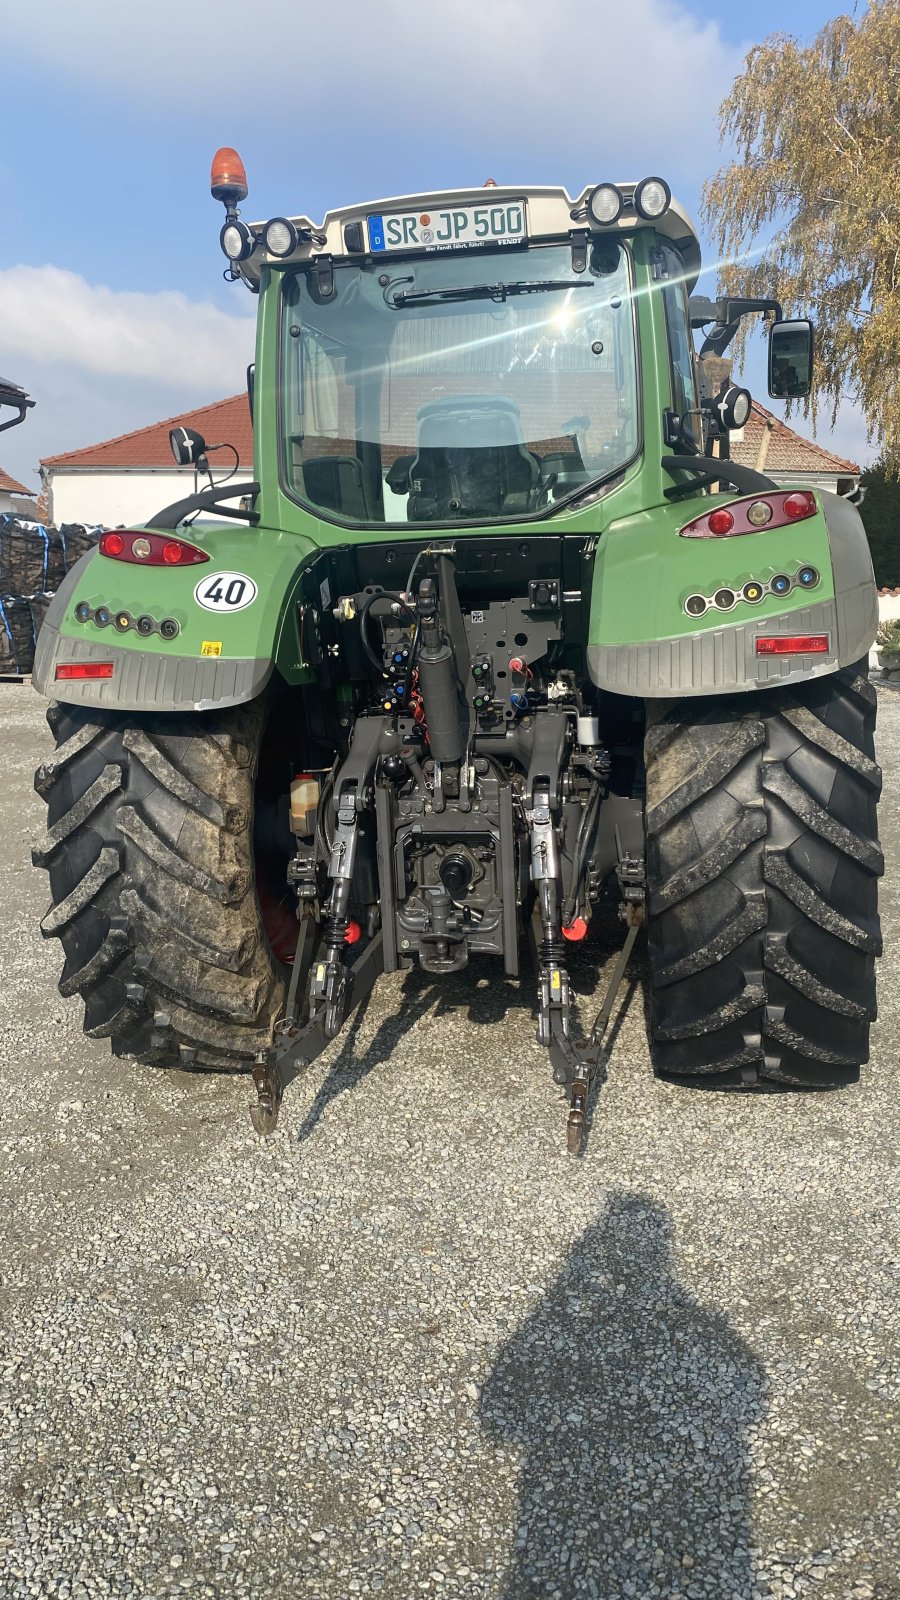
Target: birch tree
808, 208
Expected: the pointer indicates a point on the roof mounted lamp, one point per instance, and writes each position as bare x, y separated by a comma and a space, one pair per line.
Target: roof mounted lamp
228, 183
280, 237
605, 204
651, 198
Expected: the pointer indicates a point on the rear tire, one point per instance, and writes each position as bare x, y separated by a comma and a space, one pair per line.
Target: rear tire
150, 855
762, 864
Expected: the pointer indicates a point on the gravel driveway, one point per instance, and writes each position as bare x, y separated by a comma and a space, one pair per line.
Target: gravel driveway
409, 1347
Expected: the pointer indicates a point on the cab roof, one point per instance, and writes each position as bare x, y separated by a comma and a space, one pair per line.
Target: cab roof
552, 213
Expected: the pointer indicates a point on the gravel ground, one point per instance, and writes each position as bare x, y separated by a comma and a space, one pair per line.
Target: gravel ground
408, 1347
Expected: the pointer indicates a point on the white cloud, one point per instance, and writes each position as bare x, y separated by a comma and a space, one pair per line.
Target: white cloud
615, 88
50, 315
100, 362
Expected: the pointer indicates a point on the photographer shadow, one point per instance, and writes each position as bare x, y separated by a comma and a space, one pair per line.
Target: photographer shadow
631, 1406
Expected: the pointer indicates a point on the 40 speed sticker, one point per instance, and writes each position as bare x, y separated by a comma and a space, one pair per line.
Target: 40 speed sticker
225, 591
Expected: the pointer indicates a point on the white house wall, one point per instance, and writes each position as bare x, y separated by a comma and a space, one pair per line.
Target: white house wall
114, 499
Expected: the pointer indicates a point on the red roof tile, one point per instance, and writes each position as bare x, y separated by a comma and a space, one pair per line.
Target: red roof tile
788, 451
8, 485
225, 421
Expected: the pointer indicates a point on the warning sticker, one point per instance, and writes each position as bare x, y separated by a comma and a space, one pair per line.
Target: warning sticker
211, 647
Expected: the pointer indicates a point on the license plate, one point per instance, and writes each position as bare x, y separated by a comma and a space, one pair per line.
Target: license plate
462, 228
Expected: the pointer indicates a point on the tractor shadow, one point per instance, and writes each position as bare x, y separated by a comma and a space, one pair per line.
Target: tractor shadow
631, 1407
488, 999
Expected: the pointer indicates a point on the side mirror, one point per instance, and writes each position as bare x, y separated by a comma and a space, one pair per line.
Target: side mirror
790, 359
188, 447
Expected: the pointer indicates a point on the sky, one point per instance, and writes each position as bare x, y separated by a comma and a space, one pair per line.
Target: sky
113, 308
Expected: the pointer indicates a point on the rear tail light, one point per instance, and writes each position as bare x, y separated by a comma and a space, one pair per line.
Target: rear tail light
752, 514
797, 505
151, 549
69, 670
804, 644
720, 522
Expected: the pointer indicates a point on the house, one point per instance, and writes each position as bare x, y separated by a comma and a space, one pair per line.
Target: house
769, 445
130, 478
14, 496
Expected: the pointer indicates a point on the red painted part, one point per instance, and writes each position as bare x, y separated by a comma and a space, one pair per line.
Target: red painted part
576, 930
353, 934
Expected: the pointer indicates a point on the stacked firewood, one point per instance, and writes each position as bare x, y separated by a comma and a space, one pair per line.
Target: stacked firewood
34, 559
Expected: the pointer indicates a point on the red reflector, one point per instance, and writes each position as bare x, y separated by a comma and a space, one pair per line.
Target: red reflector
172, 552
805, 644
112, 544
353, 934
576, 930
84, 669
720, 521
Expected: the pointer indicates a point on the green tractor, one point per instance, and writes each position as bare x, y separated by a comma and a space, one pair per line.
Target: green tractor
498, 626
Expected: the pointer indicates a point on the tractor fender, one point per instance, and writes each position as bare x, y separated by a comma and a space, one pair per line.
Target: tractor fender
633, 648
217, 659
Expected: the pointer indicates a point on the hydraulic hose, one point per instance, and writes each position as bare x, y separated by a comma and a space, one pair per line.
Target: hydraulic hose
585, 835
380, 594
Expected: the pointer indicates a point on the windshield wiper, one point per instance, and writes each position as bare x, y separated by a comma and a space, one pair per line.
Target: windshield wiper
487, 291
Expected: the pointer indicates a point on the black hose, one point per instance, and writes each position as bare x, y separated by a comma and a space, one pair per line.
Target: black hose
324, 797
585, 832
380, 594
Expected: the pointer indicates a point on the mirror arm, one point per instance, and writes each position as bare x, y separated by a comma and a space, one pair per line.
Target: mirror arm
726, 314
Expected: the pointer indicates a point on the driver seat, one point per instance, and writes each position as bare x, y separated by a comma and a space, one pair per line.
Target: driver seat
472, 462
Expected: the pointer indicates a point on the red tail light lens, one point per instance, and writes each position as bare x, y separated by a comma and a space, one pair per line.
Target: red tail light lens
69, 670
733, 519
806, 644
151, 549
799, 504
720, 522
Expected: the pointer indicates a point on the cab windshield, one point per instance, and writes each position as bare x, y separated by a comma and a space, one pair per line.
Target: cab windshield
458, 388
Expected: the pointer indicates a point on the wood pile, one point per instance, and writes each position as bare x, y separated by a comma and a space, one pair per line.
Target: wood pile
34, 559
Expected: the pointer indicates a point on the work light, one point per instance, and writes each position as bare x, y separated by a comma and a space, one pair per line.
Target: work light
280, 237
605, 204
237, 241
651, 198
